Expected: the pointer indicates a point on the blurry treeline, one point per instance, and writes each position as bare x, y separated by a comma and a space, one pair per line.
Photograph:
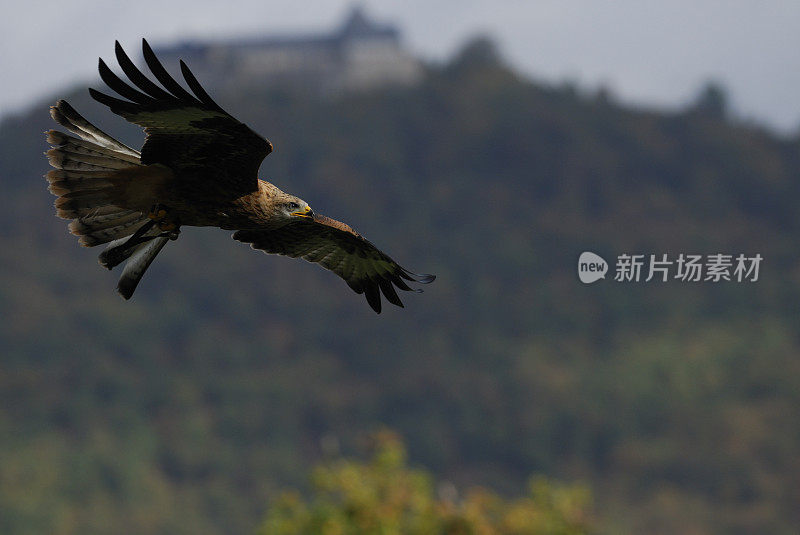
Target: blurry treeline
192, 407
384, 495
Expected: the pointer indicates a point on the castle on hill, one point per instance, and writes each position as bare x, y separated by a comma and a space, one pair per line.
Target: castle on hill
361, 54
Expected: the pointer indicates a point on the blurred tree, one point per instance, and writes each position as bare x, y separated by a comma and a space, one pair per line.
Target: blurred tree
384, 496
478, 52
712, 101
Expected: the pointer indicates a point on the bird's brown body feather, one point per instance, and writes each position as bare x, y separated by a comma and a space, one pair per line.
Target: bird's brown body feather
142, 187
193, 206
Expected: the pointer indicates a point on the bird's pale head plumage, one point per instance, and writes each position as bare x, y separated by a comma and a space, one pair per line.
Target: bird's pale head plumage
292, 207
282, 206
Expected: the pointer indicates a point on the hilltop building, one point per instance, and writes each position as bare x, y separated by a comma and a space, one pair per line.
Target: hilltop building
360, 54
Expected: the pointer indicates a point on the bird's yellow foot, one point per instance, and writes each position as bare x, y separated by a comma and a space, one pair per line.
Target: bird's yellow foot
169, 225
157, 213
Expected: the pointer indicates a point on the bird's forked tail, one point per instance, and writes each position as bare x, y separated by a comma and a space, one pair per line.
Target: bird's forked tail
84, 182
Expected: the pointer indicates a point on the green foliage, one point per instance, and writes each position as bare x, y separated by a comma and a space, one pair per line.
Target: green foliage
384, 496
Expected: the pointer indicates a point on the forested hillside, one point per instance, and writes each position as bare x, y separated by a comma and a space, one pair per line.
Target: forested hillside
189, 408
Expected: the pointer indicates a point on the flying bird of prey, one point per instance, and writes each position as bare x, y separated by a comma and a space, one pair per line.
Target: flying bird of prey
198, 167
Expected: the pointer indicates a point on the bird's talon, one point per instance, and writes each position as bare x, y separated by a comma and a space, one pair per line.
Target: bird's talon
157, 213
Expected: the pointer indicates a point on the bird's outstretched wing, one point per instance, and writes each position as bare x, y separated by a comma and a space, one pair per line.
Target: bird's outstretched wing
187, 132
337, 247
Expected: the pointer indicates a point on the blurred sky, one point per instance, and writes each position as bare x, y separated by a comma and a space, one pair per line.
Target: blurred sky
647, 52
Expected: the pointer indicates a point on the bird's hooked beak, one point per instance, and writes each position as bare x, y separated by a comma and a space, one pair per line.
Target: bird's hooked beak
305, 212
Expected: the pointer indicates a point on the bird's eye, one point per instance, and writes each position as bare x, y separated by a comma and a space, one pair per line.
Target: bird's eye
293, 206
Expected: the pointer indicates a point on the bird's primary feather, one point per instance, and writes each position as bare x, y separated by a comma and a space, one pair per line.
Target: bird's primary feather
189, 133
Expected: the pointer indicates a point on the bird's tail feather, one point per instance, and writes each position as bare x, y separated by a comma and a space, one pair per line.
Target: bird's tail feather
83, 178
84, 182
66, 116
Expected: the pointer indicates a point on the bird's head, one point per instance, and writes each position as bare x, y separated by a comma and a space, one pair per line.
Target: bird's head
295, 208
282, 207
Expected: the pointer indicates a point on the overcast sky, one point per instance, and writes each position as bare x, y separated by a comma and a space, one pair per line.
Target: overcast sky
649, 53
